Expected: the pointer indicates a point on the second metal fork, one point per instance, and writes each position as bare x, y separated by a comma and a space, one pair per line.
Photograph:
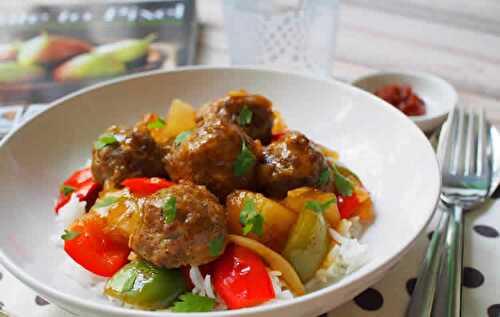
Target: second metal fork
464, 153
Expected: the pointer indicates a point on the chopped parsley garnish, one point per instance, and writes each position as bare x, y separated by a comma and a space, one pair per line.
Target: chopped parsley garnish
216, 245
124, 280
244, 161
69, 235
157, 124
318, 206
106, 201
245, 116
324, 177
103, 140
181, 137
251, 219
190, 303
342, 184
169, 210
66, 190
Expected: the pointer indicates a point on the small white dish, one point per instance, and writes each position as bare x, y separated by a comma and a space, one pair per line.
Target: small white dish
389, 153
439, 96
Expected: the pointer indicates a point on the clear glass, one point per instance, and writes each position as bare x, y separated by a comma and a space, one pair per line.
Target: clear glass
286, 34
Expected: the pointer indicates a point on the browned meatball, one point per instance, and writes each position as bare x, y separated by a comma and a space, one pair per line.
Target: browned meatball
290, 162
134, 153
212, 156
253, 113
184, 238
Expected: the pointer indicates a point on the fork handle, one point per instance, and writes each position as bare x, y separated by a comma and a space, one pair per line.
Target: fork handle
449, 296
423, 294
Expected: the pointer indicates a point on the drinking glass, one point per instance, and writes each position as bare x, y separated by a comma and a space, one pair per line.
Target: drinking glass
286, 34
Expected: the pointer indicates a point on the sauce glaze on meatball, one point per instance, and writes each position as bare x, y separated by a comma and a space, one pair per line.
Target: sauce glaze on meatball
199, 218
292, 161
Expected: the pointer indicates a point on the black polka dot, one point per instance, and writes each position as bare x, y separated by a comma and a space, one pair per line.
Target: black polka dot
370, 299
1, 276
429, 235
40, 301
486, 231
472, 278
323, 315
410, 285
1, 306
494, 310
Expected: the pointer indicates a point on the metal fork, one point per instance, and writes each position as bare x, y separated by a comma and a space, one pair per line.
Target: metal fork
464, 153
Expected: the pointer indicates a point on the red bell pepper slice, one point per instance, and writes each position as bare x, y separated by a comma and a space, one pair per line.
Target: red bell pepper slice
277, 136
93, 249
347, 205
146, 186
83, 185
241, 279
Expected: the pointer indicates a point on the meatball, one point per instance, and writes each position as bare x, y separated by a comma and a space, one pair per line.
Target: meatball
218, 154
184, 239
132, 153
253, 113
290, 162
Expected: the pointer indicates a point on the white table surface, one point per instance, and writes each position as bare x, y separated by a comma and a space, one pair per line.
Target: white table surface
456, 39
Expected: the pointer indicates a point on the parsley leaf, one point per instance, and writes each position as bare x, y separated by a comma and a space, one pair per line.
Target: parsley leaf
318, 206
251, 219
124, 280
189, 303
343, 184
103, 140
244, 161
181, 137
324, 177
69, 235
157, 124
66, 190
216, 245
169, 210
106, 201
245, 116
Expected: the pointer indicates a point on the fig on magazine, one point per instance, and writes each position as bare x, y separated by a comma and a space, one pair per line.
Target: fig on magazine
12, 72
8, 52
87, 66
50, 49
127, 51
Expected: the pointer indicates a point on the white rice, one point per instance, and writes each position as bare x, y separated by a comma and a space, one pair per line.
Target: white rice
82, 277
279, 290
67, 214
350, 228
347, 256
204, 287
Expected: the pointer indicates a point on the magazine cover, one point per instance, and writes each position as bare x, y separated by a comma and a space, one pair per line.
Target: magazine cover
47, 52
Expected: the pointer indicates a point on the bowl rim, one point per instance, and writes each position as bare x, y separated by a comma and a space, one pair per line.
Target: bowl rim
83, 304
444, 85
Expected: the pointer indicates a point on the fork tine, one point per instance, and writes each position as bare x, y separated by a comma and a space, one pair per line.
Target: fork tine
446, 143
481, 157
470, 146
458, 142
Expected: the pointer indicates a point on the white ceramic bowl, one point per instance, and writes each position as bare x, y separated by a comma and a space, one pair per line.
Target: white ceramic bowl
439, 96
386, 150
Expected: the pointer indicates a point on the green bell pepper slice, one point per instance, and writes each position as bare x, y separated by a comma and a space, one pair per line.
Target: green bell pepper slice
141, 284
308, 244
